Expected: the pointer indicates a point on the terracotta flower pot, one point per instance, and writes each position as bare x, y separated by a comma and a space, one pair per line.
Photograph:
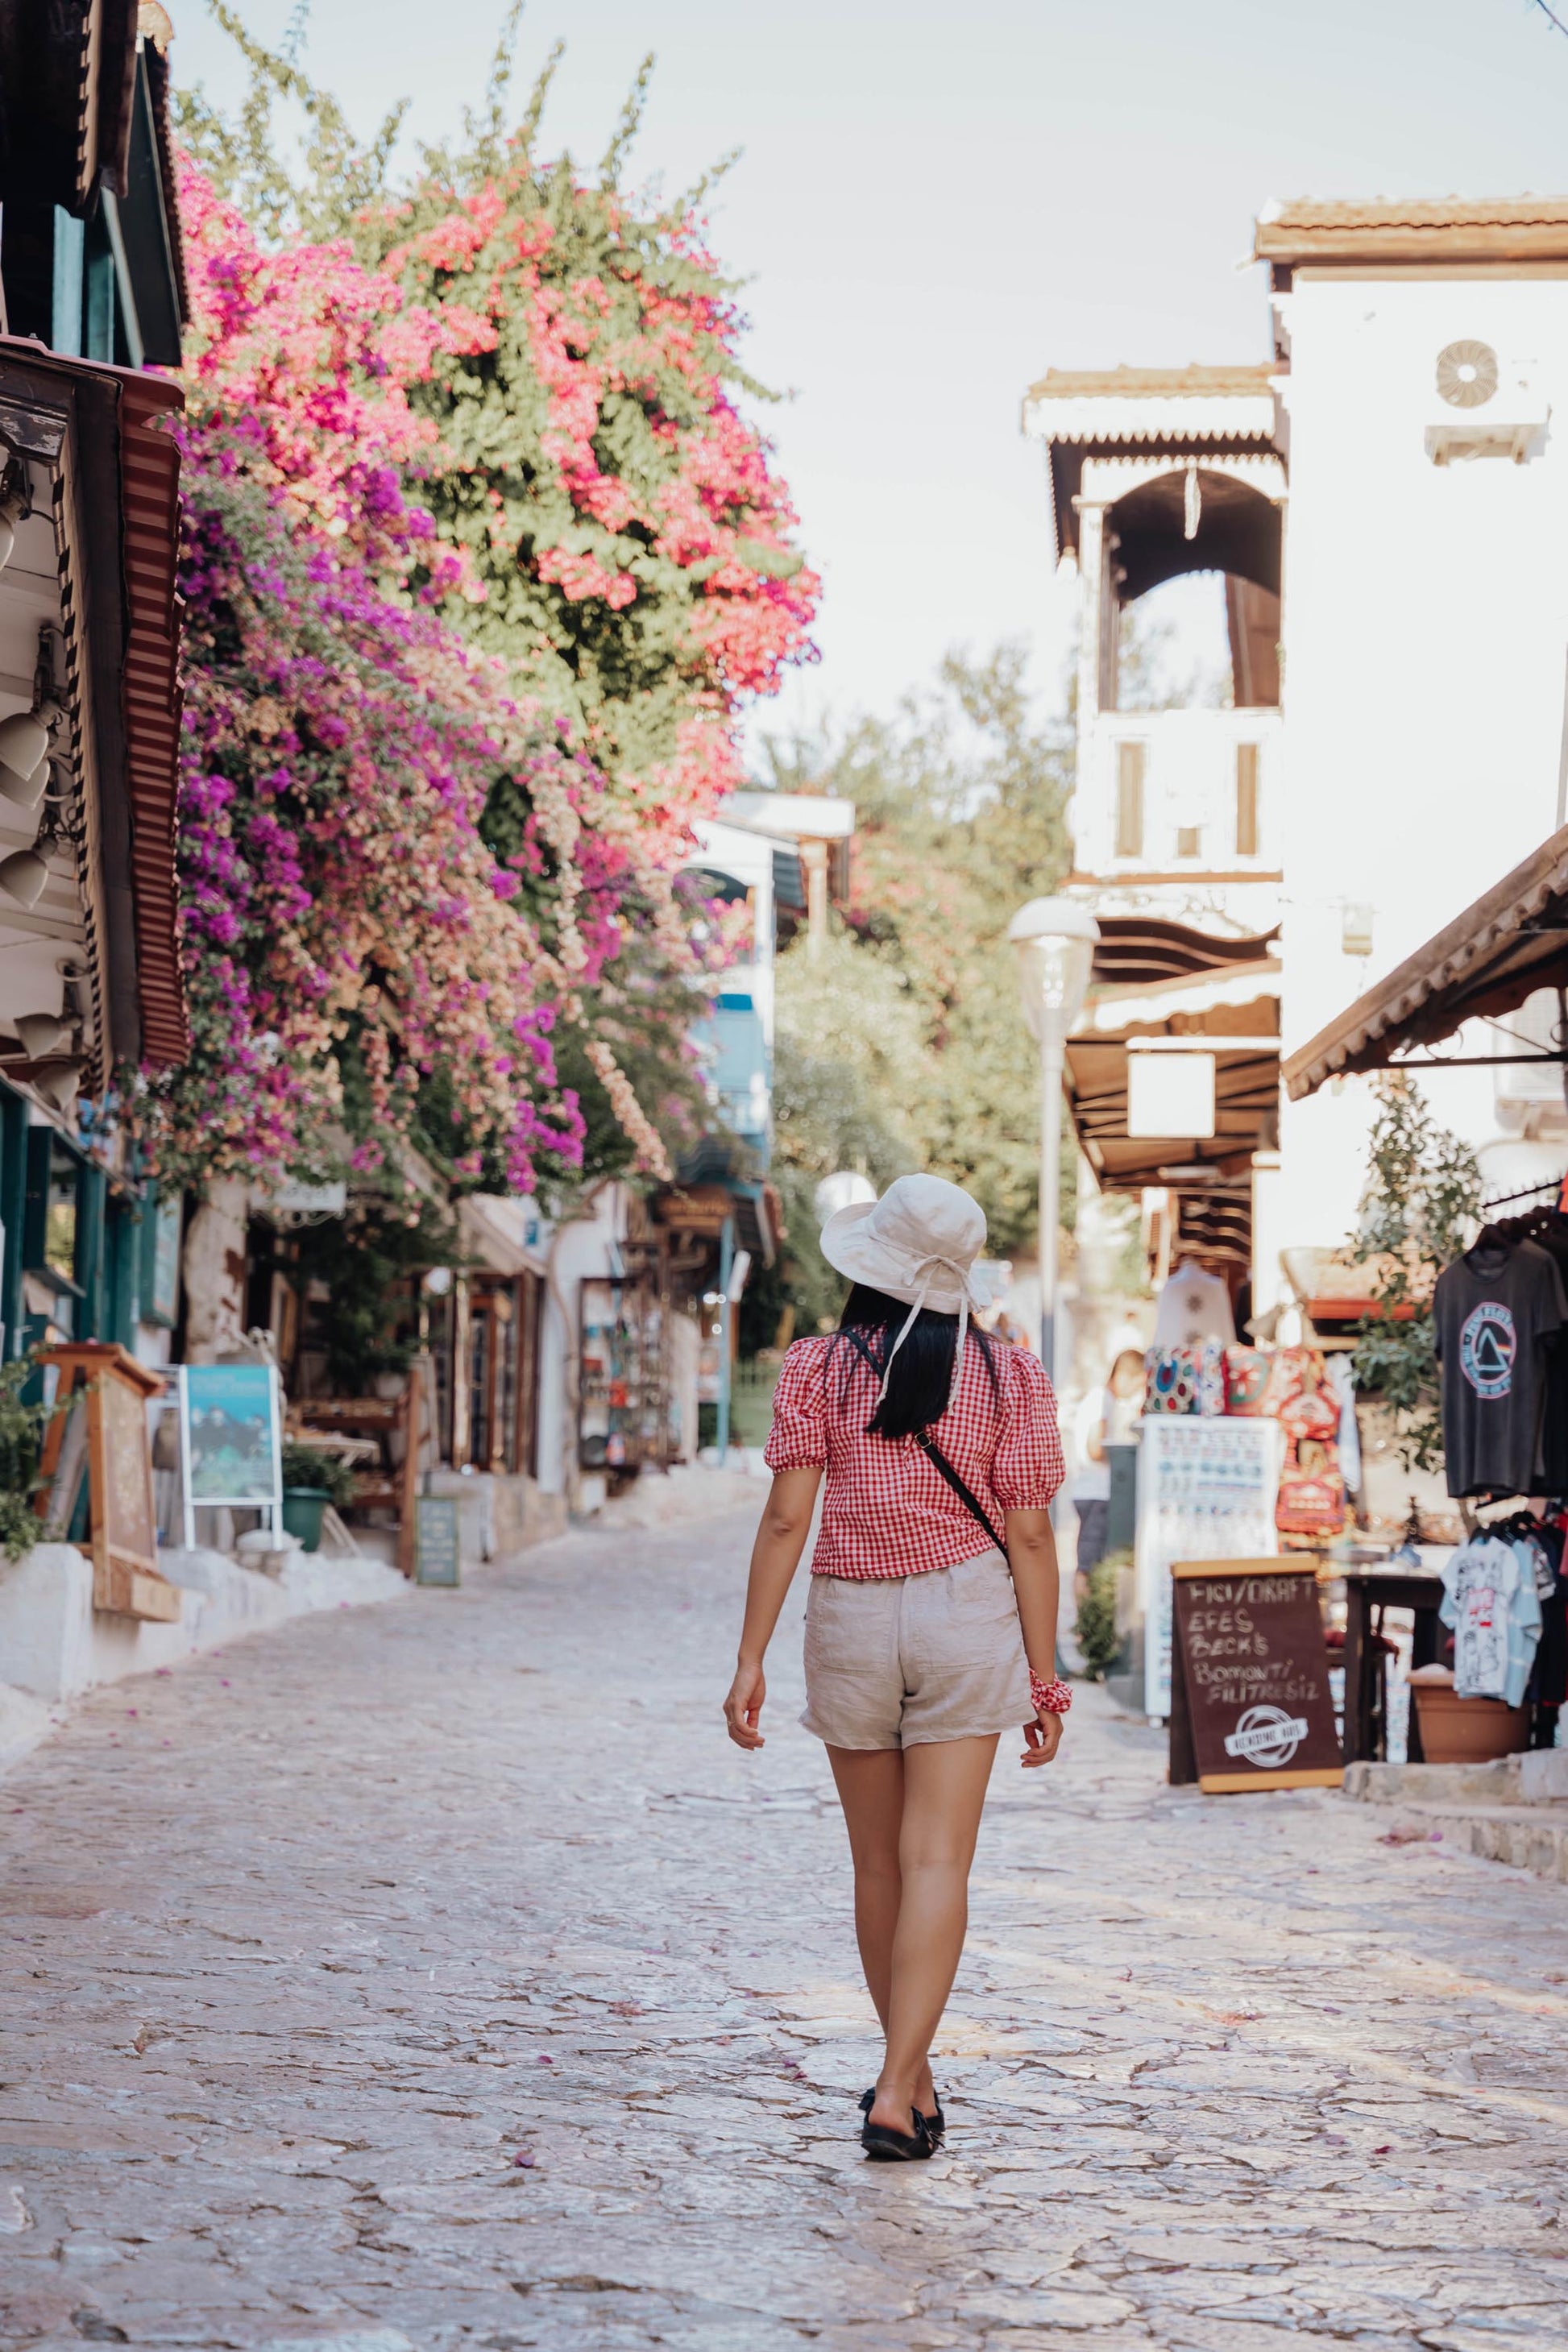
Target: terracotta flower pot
1467, 1731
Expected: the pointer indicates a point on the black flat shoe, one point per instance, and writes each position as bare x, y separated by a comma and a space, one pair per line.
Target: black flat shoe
890, 2146
935, 2123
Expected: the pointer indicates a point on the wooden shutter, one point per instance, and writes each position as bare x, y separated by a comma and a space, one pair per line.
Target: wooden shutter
1130, 800
1247, 800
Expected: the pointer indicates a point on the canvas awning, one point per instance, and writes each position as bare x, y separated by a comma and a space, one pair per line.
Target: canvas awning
1480, 966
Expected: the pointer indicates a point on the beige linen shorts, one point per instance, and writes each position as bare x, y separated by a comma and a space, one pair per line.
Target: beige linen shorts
902, 1661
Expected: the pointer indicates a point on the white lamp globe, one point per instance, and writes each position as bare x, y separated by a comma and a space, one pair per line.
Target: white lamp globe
1054, 941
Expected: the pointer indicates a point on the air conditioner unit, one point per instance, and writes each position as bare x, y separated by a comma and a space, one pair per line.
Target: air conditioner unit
1493, 410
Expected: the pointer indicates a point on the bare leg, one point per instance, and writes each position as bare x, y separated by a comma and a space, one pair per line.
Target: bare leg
943, 1791
871, 1790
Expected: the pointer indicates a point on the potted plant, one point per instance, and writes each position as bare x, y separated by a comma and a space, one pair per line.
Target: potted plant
312, 1479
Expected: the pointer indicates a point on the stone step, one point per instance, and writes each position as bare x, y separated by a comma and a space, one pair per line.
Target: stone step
1539, 1777
1513, 1810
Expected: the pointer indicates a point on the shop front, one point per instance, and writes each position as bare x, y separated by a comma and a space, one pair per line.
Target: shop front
406, 1342
1489, 1613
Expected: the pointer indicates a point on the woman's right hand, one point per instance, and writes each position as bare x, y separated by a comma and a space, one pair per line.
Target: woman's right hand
743, 1708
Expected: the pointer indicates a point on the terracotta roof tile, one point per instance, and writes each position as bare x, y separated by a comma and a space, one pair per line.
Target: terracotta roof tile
1197, 381
1417, 228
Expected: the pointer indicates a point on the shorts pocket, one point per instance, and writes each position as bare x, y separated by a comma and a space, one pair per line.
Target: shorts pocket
979, 1622
845, 1623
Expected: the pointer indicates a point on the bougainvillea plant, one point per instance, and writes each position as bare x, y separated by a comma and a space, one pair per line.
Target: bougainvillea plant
634, 544
509, 399
352, 957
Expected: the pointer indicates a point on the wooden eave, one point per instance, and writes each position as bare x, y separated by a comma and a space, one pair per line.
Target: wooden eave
1482, 965
102, 432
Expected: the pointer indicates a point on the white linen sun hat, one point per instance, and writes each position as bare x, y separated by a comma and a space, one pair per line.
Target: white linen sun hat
919, 1241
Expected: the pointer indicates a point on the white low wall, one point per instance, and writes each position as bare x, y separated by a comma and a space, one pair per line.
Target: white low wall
54, 1645
690, 1490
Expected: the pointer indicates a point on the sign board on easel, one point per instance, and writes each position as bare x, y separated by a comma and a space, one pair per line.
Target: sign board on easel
103, 1392
231, 1440
1206, 1490
438, 1558
1250, 1704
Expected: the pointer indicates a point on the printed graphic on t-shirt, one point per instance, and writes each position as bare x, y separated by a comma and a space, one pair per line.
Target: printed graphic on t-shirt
1487, 1344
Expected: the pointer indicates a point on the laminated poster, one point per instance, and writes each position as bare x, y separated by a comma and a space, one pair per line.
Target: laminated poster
1206, 1490
233, 1435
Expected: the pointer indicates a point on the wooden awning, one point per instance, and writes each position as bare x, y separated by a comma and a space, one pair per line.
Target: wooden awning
1139, 950
1481, 965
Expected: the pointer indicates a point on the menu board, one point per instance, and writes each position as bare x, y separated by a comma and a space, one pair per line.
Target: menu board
106, 1384
1250, 1701
122, 1472
1206, 1490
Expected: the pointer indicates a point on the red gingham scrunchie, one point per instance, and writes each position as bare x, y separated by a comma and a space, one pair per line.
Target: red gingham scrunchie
1050, 1699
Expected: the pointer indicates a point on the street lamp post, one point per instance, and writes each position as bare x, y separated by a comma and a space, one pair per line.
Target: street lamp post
1054, 940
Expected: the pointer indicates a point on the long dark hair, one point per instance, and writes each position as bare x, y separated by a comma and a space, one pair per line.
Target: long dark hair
923, 1369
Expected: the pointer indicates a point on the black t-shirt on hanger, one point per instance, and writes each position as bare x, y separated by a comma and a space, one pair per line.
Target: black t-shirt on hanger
1494, 1309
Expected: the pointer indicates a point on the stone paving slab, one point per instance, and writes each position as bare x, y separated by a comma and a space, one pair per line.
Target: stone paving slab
441, 1978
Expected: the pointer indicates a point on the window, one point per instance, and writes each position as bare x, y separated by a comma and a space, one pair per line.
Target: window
1189, 838
1247, 800
62, 1245
1130, 799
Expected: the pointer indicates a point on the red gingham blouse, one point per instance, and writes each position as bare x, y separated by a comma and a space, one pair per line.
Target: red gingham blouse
886, 1509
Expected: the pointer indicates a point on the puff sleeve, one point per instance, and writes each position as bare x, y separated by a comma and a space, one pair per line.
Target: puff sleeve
1028, 1467
798, 1438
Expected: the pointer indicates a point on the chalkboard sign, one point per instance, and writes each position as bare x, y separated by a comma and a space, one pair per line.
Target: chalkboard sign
436, 1557
1249, 1686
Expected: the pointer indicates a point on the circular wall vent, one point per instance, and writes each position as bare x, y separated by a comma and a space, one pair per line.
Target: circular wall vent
1467, 374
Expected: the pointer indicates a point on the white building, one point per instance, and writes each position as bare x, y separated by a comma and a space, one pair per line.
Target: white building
776, 852
1400, 732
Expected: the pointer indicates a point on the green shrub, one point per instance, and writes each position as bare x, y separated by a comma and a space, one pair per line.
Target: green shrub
21, 1437
1097, 1638
305, 1466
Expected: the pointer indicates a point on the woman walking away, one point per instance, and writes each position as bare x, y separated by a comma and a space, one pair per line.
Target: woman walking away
941, 1454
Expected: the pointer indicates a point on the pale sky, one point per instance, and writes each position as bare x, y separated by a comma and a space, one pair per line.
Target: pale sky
936, 202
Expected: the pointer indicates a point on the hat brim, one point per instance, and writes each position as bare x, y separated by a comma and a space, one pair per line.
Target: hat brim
850, 1250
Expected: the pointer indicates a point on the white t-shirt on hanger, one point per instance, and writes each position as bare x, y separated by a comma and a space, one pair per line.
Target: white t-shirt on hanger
1193, 1306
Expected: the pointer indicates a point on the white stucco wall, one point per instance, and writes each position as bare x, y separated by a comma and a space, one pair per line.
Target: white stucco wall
1425, 622
578, 1252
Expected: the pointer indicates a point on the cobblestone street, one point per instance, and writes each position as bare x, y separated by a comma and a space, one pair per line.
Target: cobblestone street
438, 1975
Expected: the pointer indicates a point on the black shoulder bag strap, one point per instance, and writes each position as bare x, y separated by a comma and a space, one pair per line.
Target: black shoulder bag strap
935, 1455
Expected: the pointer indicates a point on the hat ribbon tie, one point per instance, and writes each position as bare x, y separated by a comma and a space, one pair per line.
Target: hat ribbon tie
928, 1269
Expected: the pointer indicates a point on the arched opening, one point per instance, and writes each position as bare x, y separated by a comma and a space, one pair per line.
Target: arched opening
1182, 526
